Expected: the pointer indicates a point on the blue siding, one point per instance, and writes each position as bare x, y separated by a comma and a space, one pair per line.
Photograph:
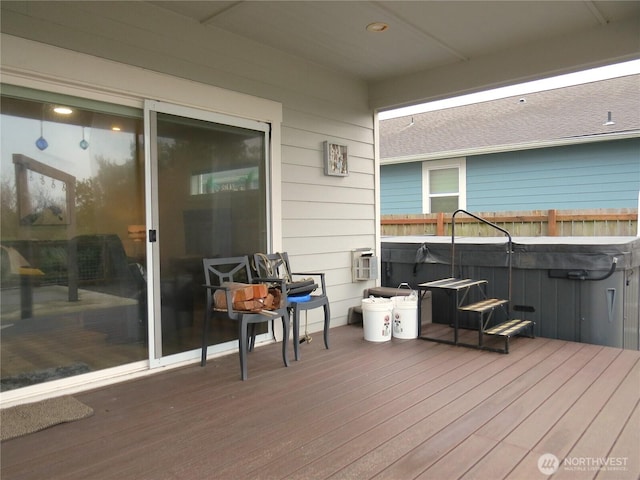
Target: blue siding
595, 175
401, 188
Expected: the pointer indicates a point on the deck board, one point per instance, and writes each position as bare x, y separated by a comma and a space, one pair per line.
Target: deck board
607, 426
498, 463
574, 423
465, 414
626, 447
399, 409
532, 429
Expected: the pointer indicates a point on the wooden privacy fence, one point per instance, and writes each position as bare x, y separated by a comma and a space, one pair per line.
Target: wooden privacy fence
534, 223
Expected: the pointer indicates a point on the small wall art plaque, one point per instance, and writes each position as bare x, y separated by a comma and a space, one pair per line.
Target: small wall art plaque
335, 160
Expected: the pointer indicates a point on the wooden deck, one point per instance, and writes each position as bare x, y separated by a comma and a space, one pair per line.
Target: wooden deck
402, 409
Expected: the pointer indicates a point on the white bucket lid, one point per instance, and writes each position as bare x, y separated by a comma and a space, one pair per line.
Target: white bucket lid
405, 300
377, 304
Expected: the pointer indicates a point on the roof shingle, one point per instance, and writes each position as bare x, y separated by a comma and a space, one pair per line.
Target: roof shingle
570, 112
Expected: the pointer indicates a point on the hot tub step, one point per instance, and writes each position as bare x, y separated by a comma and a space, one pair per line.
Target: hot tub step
510, 328
484, 305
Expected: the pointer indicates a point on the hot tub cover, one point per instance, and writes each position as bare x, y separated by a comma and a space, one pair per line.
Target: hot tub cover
588, 253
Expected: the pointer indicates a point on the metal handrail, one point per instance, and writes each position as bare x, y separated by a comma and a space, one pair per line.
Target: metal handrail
453, 244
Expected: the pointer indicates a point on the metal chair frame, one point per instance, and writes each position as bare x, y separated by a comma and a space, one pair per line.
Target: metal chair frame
217, 271
279, 265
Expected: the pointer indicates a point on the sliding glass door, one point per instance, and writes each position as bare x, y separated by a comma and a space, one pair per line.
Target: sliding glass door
107, 212
208, 179
72, 289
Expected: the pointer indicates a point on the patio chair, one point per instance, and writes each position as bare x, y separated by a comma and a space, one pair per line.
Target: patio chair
277, 265
217, 271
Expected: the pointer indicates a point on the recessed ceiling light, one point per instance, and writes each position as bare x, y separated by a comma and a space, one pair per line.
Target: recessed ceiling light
377, 27
115, 128
63, 110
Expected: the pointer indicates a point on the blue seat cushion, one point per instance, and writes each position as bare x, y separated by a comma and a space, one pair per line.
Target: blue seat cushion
299, 298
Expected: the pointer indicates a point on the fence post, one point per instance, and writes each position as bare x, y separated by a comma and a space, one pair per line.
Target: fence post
440, 224
552, 226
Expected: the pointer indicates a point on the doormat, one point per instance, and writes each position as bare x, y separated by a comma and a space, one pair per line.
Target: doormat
39, 376
32, 417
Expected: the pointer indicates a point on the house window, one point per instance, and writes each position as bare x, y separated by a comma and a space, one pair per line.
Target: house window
443, 185
235, 180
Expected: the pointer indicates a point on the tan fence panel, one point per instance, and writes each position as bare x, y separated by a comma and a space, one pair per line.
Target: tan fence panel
534, 223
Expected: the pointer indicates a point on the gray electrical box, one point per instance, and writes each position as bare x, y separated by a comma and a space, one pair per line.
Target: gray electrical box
364, 265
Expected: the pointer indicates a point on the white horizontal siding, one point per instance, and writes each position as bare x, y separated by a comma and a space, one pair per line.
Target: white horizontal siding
348, 126
311, 159
333, 228
300, 210
322, 193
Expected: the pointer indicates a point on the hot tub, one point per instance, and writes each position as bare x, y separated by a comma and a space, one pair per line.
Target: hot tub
581, 289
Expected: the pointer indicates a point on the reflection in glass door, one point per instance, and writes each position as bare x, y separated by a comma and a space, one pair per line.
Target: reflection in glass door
72, 264
210, 184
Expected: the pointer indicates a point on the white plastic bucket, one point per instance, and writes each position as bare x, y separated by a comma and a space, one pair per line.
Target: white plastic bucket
405, 316
376, 319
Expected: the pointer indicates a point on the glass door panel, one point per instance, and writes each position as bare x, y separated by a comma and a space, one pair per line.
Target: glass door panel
73, 287
212, 202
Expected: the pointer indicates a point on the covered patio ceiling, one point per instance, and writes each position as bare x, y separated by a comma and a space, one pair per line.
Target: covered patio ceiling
422, 50
431, 49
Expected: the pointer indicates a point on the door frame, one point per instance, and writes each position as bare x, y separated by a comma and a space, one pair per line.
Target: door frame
151, 108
